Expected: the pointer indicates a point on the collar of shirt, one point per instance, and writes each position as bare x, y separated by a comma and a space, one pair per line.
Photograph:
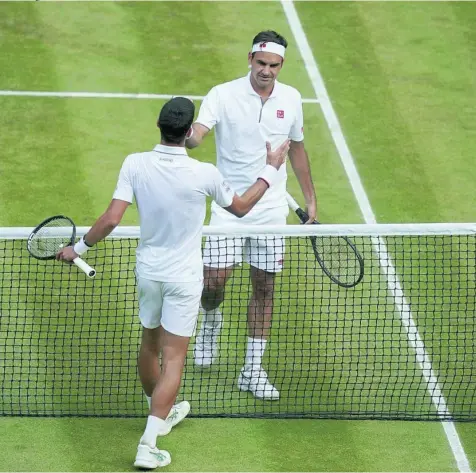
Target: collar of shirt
175, 150
251, 91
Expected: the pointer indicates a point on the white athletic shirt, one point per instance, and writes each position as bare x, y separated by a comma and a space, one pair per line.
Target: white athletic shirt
243, 125
170, 189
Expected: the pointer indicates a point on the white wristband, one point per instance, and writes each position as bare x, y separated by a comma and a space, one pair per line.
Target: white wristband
81, 247
191, 134
268, 174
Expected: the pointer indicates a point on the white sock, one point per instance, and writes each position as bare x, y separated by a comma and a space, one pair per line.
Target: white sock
149, 400
154, 426
254, 352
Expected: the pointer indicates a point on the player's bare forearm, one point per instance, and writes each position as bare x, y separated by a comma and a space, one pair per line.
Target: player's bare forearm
199, 132
241, 205
107, 222
100, 230
104, 225
300, 164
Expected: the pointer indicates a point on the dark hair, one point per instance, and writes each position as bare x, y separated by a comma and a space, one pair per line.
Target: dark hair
175, 119
269, 36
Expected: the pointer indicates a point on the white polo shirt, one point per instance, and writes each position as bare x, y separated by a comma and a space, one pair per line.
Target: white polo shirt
170, 189
243, 125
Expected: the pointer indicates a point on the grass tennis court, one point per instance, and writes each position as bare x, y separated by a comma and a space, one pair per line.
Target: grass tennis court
401, 79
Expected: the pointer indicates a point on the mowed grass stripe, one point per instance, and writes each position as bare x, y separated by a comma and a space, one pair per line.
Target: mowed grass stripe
136, 47
430, 70
121, 128
41, 168
90, 42
226, 445
216, 47
465, 15
24, 48
374, 129
400, 77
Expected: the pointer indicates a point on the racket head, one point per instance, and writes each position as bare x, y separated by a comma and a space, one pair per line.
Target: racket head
50, 236
339, 259
337, 256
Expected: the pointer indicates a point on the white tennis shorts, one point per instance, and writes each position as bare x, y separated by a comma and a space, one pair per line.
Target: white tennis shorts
174, 305
266, 253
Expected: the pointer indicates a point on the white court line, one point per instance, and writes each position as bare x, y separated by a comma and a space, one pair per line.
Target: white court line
386, 263
104, 95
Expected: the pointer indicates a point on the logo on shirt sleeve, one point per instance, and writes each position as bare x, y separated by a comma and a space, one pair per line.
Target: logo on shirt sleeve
280, 113
226, 186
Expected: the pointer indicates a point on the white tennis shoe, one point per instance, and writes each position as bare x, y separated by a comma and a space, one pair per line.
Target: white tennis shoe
206, 341
177, 414
255, 380
149, 458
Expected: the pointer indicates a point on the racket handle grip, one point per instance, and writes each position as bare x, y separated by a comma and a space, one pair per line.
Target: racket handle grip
303, 216
83, 266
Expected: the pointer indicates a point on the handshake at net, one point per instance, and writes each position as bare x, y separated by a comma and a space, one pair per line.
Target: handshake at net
277, 157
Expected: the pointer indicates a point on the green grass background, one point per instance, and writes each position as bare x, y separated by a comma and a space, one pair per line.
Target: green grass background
401, 78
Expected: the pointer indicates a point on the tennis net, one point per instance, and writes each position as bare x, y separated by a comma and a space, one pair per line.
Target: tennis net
399, 345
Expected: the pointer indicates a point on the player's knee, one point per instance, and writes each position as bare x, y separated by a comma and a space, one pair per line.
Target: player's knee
213, 282
174, 359
263, 290
213, 286
212, 299
212, 296
174, 350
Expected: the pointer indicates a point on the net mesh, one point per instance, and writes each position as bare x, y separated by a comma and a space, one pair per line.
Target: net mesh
399, 345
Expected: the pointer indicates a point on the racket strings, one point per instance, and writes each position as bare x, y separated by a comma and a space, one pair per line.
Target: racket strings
338, 257
51, 237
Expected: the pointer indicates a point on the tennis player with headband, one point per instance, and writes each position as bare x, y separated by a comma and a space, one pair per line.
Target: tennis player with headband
246, 113
170, 190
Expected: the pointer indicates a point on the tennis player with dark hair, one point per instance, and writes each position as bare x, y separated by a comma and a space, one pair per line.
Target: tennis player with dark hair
170, 189
246, 113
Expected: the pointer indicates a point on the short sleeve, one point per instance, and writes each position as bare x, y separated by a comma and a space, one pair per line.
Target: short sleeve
209, 114
297, 128
124, 190
218, 188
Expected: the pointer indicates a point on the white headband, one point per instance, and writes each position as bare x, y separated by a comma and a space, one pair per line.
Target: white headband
269, 48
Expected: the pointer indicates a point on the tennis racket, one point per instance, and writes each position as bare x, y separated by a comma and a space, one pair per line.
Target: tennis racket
337, 256
50, 236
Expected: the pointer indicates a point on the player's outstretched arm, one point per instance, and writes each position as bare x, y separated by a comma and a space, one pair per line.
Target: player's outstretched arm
104, 225
241, 205
107, 222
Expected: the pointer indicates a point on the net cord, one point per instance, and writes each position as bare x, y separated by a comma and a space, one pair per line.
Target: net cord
376, 230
